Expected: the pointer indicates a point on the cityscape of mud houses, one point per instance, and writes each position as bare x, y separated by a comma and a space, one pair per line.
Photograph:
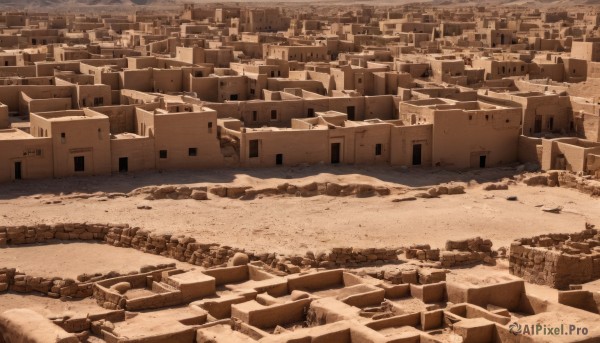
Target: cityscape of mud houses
299, 172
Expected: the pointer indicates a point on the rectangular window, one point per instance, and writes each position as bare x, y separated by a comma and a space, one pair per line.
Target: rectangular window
192, 151
209, 126
377, 149
98, 101
253, 148
63, 137
254, 116
162, 154
273, 114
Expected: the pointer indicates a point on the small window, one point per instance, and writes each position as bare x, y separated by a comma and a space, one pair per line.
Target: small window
99, 101
273, 114
253, 148
359, 80
254, 116
63, 137
470, 117
209, 126
487, 117
162, 154
193, 152
377, 149
99, 133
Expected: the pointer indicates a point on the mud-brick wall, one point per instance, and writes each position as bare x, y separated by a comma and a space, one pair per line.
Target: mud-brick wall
554, 268
41, 233
56, 287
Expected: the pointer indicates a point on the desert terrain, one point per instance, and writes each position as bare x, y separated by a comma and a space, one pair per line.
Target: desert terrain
290, 224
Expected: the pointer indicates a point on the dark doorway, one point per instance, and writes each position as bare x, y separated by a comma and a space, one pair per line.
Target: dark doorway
335, 152
18, 170
537, 128
482, 159
502, 39
279, 159
253, 147
123, 164
311, 112
350, 110
233, 97
79, 162
416, 156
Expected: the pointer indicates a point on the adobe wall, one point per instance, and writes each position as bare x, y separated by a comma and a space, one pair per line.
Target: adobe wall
557, 260
380, 107
139, 152
296, 146
33, 165
82, 138
178, 132
461, 137
528, 150
4, 123
402, 140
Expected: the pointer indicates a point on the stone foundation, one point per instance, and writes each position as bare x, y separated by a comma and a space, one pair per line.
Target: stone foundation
181, 248
557, 260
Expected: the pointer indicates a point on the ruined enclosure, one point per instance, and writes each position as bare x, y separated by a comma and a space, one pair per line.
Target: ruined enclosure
248, 300
291, 172
557, 260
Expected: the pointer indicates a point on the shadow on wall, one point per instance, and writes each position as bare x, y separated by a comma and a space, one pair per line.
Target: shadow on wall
125, 183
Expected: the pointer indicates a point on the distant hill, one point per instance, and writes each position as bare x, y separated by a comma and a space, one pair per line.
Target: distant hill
41, 5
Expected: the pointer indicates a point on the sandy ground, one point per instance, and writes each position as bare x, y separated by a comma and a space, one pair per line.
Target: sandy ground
48, 307
294, 224
68, 260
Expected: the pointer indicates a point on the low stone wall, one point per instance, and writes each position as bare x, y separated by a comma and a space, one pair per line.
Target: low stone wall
57, 287
181, 248
457, 253
561, 178
557, 260
41, 233
469, 251
246, 193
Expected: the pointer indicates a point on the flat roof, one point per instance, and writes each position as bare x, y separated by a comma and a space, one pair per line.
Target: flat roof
7, 134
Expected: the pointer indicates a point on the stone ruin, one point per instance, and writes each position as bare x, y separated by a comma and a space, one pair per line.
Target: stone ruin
359, 190
247, 303
235, 296
561, 178
456, 253
557, 260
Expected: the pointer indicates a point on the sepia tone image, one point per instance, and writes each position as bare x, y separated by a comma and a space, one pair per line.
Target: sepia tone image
378, 171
